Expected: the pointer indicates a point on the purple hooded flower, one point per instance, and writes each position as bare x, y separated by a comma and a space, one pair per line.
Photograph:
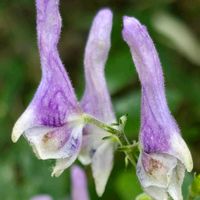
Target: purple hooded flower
79, 189
96, 101
52, 122
41, 197
79, 184
164, 154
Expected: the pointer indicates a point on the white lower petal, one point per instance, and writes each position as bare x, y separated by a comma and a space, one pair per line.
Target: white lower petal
91, 142
181, 151
102, 164
157, 193
174, 188
155, 169
161, 175
24, 122
62, 164
50, 148
89, 146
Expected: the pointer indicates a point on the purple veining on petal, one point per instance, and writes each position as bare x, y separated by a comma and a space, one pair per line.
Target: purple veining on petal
154, 140
74, 144
55, 99
154, 136
157, 124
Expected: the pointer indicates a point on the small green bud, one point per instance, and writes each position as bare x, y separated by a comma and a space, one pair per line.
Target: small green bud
122, 120
126, 161
143, 196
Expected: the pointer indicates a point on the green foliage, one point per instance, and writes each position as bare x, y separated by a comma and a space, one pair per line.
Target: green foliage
21, 174
195, 187
127, 185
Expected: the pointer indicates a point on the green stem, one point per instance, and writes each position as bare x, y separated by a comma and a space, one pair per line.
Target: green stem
122, 139
125, 141
91, 120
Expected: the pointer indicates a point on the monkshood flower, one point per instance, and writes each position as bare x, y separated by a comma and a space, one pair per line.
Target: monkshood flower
78, 188
96, 101
41, 197
52, 123
164, 154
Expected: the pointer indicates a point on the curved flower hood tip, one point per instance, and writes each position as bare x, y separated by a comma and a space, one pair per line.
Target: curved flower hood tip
164, 154
52, 122
96, 101
79, 189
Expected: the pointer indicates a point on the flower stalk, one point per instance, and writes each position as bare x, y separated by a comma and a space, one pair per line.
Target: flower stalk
118, 135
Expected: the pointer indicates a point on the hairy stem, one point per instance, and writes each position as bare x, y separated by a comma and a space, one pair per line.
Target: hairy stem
91, 120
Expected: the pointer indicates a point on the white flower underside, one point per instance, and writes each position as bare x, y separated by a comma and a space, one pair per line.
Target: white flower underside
161, 175
50, 148
99, 153
64, 156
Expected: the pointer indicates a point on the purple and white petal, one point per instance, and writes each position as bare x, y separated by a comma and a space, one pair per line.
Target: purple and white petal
52, 122
160, 138
96, 99
79, 189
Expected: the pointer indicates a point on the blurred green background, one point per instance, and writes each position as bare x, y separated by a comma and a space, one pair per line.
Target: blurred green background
175, 29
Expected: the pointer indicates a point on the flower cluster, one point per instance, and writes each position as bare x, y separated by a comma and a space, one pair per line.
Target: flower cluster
55, 123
